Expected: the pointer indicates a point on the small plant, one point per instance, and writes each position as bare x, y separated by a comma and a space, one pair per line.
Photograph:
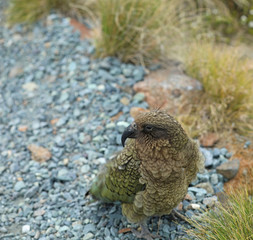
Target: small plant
234, 220
227, 100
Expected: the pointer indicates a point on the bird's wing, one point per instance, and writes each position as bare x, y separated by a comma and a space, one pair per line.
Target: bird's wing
119, 179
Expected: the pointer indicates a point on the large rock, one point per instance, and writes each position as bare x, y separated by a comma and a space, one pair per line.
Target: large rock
167, 89
207, 186
229, 169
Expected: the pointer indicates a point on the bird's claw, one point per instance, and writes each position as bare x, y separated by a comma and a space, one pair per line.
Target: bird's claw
145, 233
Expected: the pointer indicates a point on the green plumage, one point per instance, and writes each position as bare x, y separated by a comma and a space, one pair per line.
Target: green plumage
119, 178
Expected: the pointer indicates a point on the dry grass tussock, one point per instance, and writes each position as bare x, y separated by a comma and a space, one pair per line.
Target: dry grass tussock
29, 11
233, 220
227, 100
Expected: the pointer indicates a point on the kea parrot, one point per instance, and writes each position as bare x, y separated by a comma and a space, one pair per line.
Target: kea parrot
151, 175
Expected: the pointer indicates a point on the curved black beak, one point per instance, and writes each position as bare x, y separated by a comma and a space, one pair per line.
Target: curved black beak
130, 132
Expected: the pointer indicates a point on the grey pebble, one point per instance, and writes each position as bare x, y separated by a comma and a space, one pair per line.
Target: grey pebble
64, 175
19, 186
214, 179
216, 152
31, 192
89, 228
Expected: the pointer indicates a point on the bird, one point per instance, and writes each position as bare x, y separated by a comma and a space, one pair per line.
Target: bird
151, 175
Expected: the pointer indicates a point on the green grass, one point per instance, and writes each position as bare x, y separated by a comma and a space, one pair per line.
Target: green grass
143, 31
227, 100
233, 221
130, 29
29, 11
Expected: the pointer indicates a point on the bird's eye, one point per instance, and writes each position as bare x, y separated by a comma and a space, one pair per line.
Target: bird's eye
148, 128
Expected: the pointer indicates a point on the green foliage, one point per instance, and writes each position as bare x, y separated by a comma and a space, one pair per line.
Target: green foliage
227, 78
233, 221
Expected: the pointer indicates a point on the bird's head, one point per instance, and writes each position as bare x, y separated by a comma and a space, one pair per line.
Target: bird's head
153, 126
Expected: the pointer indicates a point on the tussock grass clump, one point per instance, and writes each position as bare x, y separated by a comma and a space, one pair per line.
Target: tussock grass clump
29, 11
142, 31
227, 78
130, 29
232, 221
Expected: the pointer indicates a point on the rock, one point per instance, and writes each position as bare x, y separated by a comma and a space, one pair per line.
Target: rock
22, 128
139, 97
180, 206
30, 86
72, 67
193, 206
84, 32
214, 179
228, 155
63, 229
64, 97
197, 190
229, 169
218, 188
138, 74
39, 212
210, 201
26, 228
127, 72
19, 186
2, 168
188, 197
207, 186
124, 101
171, 85
89, 228
216, 152
223, 151
134, 111
247, 144
39, 154
31, 192
3, 230
209, 139
85, 168
62, 121
208, 157
88, 236
15, 71
64, 175
59, 141
203, 177
122, 126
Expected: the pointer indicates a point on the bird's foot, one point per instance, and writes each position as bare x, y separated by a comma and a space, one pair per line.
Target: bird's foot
145, 233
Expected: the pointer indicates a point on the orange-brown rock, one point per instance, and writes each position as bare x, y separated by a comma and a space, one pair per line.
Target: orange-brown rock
84, 31
22, 128
54, 121
209, 139
39, 154
168, 89
134, 111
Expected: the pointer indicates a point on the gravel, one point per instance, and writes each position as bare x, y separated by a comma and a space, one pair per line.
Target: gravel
55, 95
